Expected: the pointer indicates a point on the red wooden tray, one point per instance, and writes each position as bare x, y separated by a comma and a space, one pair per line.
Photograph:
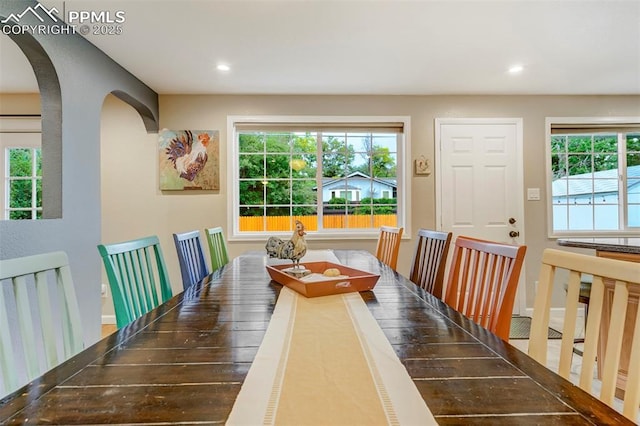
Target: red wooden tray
355, 279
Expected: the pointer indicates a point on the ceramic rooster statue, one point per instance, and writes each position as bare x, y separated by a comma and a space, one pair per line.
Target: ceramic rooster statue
293, 249
188, 156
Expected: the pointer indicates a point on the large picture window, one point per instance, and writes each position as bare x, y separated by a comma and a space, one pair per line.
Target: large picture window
333, 175
595, 176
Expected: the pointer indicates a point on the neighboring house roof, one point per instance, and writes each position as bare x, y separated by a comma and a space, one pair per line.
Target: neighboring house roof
605, 181
385, 181
349, 187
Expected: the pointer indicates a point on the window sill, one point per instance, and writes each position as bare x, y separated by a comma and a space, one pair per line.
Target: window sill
325, 236
592, 234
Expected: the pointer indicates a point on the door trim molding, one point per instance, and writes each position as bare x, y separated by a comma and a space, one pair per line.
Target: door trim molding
521, 301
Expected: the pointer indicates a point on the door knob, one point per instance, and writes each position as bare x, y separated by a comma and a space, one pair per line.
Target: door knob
512, 220
514, 234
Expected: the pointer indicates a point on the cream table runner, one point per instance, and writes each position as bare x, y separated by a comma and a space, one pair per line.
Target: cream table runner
325, 361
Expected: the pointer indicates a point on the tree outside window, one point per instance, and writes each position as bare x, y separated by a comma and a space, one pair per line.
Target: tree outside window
23, 184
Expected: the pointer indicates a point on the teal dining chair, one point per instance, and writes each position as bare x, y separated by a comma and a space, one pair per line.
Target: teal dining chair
137, 277
217, 248
40, 324
193, 267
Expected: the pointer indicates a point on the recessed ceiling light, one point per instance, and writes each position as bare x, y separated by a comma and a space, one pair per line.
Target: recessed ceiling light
223, 67
516, 69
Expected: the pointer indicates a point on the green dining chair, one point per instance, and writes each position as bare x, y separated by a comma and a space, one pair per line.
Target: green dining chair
137, 277
217, 248
40, 325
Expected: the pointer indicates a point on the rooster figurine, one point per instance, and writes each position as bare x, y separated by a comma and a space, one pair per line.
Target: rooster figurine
293, 249
188, 156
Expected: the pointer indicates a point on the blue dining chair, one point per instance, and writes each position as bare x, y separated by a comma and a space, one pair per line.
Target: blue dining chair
137, 277
190, 257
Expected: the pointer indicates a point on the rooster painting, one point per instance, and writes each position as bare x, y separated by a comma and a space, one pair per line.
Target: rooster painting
293, 249
188, 156
189, 159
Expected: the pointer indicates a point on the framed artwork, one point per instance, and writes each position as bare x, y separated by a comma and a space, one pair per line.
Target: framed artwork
189, 159
422, 166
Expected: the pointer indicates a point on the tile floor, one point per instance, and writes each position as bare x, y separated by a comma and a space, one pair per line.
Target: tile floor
553, 358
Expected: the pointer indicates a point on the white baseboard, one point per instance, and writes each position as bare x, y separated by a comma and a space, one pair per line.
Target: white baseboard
108, 319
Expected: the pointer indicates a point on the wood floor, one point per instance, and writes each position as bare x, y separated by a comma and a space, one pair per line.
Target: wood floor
107, 329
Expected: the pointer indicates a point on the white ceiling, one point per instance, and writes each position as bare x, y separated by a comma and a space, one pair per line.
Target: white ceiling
366, 46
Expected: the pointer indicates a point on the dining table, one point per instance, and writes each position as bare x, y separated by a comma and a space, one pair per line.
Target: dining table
190, 361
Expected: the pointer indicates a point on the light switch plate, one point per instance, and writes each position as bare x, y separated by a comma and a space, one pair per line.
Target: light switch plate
533, 194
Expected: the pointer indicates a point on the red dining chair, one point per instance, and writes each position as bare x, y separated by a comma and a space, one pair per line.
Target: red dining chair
483, 280
389, 245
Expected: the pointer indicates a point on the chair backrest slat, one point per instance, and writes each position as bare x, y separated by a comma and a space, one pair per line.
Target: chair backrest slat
193, 267
137, 277
26, 326
389, 245
46, 312
217, 248
482, 282
608, 275
151, 298
49, 328
429, 260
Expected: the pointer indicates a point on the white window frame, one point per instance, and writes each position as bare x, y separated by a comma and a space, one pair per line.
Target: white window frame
9, 126
549, 121
403, 178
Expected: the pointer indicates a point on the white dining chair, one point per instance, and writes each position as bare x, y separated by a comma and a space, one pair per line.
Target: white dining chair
40, 324
621, 275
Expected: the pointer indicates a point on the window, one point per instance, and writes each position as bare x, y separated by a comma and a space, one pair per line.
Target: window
23, 184
349, 195
21, 159
594, 167
335, 175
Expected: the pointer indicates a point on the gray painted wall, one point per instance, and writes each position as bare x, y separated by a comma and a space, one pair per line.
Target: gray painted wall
71, 125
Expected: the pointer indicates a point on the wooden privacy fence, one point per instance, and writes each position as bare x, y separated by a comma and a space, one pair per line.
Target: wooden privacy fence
283, 223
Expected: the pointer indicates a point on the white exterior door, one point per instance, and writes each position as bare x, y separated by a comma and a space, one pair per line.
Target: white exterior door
479, 175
